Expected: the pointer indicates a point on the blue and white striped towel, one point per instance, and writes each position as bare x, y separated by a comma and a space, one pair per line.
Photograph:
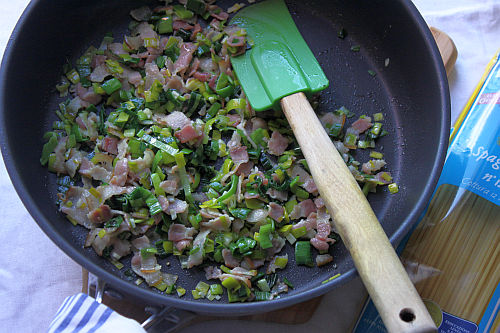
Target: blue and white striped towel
81, 313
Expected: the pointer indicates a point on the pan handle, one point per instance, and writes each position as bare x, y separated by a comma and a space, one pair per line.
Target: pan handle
162, 319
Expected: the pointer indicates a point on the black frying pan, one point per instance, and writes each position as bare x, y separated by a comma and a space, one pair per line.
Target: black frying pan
412, 92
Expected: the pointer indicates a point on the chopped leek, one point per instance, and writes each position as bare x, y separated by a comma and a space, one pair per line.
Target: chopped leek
303, 253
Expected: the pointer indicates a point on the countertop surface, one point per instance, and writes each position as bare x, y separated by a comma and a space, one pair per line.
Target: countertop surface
35, 276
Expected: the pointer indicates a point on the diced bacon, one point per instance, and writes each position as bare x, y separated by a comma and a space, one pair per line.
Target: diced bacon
362, 124
117, 48
196, 258
184, 59
332, 118
175, 82
120, 172
278, 244
99, 73
144, 30
277, 144
110, 145
175, 120
88, 94
73, 162
170, 186
323, 259
221, 15
213, 82
212, 272
238, 225
310, 186
303, 209
163, 203
216, 24
90, 170
100, 243
107, 191
210, 213
225, 64
121, 248
279, 195
178, 232
180, 24
323, 229
372, 166
235, 141
133, 43
141, 14
71, 205
234, 119
194, 66
203, 77
100, 214
244, 168
142, 55
341, 147
196, 30
187, 133
176, 206
306, 180
97, 60
208, 65
236, 41
307, 207
182, 244
310, 223
134, 77
220, 223
79, 121
320, 245
276, 211
323, 226
141, 242
254, 124
229, 260
250, 264
152, 74
76, 104
239, 154
319, 202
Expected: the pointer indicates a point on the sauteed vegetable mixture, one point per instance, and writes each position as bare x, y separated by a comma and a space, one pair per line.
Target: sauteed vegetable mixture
159, 154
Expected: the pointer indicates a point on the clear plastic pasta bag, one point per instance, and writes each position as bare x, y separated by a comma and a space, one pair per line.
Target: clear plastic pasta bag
453, 254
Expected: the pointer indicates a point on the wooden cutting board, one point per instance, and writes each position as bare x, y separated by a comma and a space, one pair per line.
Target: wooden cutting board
296, 314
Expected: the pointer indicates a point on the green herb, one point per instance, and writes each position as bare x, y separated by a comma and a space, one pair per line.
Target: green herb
342, 33
355, 48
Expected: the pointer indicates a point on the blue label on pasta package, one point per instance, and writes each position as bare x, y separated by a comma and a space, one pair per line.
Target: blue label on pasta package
473, 160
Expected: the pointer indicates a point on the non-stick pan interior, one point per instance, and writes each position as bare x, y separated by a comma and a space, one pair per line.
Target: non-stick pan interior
409, 87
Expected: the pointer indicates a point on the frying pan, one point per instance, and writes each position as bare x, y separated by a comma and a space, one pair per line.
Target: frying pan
410, 88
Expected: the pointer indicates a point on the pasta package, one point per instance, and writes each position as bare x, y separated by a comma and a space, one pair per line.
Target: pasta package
453, 254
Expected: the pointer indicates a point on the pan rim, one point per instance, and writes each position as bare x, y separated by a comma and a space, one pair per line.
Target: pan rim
226, 308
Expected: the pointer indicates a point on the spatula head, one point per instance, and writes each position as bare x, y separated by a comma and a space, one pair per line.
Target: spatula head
279, 63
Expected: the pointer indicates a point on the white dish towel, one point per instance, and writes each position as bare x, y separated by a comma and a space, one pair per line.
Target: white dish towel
81, 313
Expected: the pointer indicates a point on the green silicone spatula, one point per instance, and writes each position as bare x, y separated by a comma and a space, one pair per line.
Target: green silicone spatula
280, 70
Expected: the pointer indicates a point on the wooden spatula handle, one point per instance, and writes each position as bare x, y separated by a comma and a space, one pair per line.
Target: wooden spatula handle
392, 292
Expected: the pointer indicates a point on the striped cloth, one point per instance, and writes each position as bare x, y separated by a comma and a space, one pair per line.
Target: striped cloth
81, 313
